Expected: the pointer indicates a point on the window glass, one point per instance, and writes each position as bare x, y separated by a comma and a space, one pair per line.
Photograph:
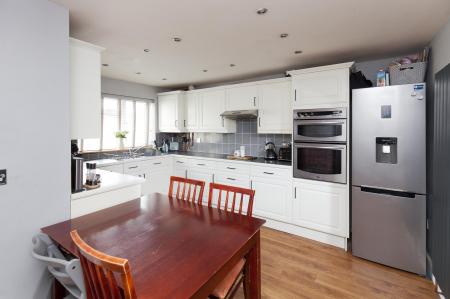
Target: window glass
110, 123
140, 138
151, 123
127, 121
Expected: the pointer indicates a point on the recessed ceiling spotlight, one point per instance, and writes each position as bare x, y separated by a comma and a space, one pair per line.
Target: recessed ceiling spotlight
147, 50
138, 73
205, 71
298, 52
261, 11
105, 64
177, 39
232, 65
164, 79
284, 35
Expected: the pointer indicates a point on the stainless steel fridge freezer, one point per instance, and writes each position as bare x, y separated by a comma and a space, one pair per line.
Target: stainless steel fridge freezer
389, 176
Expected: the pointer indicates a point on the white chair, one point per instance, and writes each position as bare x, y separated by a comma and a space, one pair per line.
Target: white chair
68, 273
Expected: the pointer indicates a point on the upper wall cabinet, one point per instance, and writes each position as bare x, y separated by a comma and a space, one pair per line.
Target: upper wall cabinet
212, 105
241, 97
193, 117
321, 86
275, 107
171, 112
85, 90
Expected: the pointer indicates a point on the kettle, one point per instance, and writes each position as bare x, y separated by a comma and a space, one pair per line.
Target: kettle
270, 151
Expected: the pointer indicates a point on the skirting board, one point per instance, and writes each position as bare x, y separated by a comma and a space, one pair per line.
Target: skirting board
438, 289
337, 241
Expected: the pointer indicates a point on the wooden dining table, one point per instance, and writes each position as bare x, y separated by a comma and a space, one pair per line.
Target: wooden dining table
176, 249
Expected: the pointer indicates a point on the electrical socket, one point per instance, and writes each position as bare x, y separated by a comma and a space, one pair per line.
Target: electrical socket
3, 177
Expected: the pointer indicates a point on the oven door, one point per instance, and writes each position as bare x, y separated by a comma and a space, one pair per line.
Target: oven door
321, 162
320, 130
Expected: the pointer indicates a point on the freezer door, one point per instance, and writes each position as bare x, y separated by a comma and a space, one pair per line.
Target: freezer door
388, 137
389, 229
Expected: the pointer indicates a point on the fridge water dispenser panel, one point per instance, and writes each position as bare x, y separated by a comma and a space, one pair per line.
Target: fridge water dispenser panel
386, 151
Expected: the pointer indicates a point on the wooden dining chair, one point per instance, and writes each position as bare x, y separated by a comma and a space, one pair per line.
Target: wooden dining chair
186, 189
237, 200
232, 199
100, 272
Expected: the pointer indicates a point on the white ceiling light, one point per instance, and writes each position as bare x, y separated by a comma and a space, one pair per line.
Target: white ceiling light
177, 39
261, 11
232, 65
147, 50
298, 52
138, 73
284, 35
205, 71
105, 64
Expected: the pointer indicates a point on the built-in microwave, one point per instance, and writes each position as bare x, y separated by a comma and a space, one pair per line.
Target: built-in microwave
320, 125
320, 161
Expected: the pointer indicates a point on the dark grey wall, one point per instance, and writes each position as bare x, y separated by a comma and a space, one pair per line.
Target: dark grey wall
34, 122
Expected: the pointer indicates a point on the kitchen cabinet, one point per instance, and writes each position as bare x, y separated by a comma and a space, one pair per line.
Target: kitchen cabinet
321, 206
212, 103
275, 107
85, 90
171, 113
321, 87
205, 175
193, 114
158, 181
241, 97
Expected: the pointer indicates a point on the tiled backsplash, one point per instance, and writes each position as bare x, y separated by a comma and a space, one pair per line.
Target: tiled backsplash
246, 134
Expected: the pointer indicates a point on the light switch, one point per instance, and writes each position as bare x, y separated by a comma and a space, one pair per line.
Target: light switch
3, 177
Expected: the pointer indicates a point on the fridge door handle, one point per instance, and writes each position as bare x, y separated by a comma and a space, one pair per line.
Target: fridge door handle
391, 192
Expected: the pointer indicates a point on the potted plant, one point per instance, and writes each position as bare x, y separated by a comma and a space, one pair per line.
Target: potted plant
121, 135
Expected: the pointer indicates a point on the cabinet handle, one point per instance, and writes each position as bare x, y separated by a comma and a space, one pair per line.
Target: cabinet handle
156, 163
214, 178
143, 175
259, 121
184, 123
295, 192
180, 162
132, 167
201, 164
268, 172
295, 95
251, 185
223, 122
185, 174
232, 168
231, 179
254, 101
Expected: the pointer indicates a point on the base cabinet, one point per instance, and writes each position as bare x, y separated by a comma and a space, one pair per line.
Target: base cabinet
202, 175
273, 198
158, 181
321, 206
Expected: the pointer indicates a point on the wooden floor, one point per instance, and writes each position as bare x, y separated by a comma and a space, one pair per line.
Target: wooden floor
294, 267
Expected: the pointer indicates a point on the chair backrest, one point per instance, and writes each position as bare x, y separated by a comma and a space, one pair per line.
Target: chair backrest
237, 200
186, 189
68, 273
100, 271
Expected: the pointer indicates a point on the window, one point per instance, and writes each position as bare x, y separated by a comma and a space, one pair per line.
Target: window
136, 116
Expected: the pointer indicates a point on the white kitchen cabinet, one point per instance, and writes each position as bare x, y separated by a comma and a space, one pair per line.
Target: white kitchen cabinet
321, 86
158, 180
273, 195
206, 175
193, 112
212, 103
321, 206
232, 179
85, 90
171, 111
241, 97
275, 107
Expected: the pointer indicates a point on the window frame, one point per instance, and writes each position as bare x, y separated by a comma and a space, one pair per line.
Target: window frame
119, 99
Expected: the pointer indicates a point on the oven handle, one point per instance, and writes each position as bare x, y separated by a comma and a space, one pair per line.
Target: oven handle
333, 147
316, 122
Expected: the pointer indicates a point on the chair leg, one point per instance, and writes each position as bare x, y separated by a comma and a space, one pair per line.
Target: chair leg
59, 292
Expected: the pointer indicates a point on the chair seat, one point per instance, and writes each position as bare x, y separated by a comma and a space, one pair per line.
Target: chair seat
225, 285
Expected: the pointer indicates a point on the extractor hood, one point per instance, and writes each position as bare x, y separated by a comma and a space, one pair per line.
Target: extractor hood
240, 114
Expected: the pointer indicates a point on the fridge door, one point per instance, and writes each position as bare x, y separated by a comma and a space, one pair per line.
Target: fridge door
389, 229
388, 137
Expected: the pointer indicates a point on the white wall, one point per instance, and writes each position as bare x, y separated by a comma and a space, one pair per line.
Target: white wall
120, 87
440, 46
34, 137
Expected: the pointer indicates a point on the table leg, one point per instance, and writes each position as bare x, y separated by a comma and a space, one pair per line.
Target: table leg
252, 282
59, 292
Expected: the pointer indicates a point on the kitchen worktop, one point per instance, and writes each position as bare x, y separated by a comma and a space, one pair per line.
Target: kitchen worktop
110, 181
108, 162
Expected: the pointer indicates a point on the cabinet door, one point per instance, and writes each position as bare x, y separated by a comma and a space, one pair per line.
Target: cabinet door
202, 175
275, 108
212, 105
273, 199
321, 206
231, 179
168, 112
192, 111
145, 187
242, 98
321, 88
158, 181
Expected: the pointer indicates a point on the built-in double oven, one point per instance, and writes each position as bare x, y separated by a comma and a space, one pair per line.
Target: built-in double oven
320, 144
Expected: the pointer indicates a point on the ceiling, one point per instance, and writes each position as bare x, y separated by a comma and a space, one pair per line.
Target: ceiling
218, 33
